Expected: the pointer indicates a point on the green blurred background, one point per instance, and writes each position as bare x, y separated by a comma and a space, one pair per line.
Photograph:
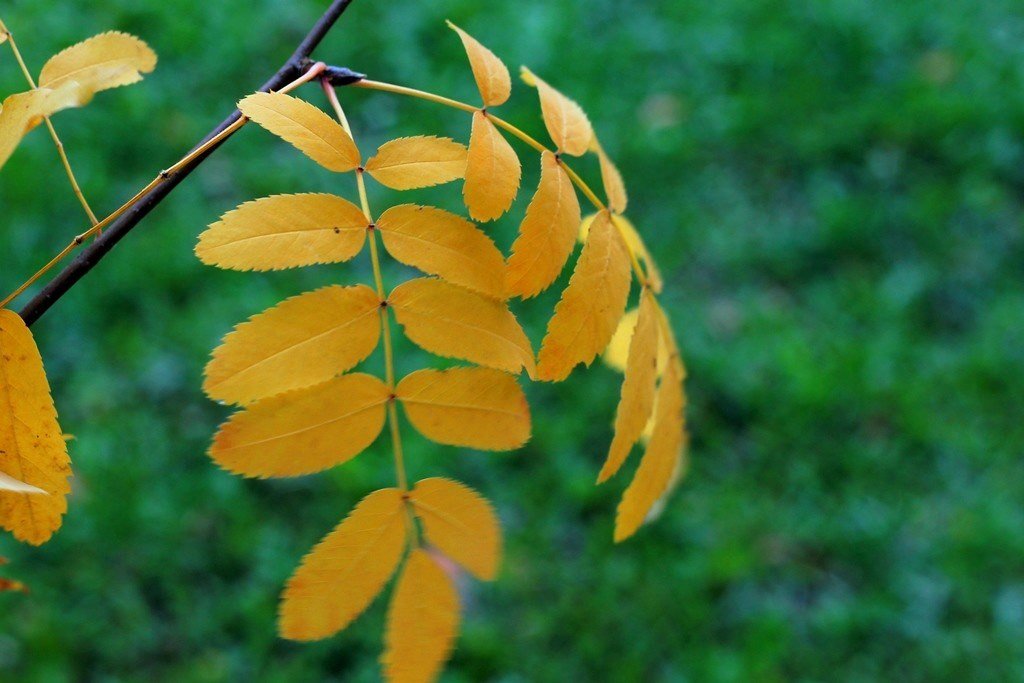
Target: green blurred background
834, 192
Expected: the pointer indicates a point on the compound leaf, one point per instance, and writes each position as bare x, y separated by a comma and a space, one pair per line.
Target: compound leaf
460, 523
493, 171
565, 120
421, 161
491, 74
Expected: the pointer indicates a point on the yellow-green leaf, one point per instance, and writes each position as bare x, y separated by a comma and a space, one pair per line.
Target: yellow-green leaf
32, 449
635, 242
493, 171
342, 575
303, 431
491, 74
285, 231
547, 234
637, 397
661, 458
474, 407
306, 127
565, 120
456, 323
443, 244
591, 306
302, 341
421, 161
423, 620
459, 522
106, 61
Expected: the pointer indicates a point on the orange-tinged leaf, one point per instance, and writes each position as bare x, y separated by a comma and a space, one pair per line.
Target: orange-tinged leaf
456, 323
342, 575
11, 484
423, 620
109, 60
303, 431
306, 127
637, 398
302, 341
285, 231
635, 242
474, 407
443, 244
614, 186
591, 306
547, 234
565, 120
491, 74
660, 460
493, 171
459, 522
21, 112
421, 161
32, 450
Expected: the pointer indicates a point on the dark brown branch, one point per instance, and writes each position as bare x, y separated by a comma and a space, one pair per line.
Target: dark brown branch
91, 255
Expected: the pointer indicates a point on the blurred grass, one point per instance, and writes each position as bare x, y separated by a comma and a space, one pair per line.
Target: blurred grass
833, 190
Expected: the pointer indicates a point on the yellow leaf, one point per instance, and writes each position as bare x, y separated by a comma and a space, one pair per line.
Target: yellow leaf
493, 171
32, 450
443, 244
303, 431
614, 187
661, 458
455, 323
309, 129
342, 575
637, 400
303, 341
591, 306
285, 231
21, 113
423, 620
3, 33
491, 74
635, 242
474, 407
617, 353
460, 523
421, 161
106, 61
12, 484
567, 125
547, 234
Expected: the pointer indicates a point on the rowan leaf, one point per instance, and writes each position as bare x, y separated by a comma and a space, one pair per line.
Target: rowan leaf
303, 431
456, 323
420, 161
108, 60
32, 448
443, 244
591, 306
493, 171
342, 575
617, 353
614, 186
660, 460
638, 387
459, 522
491, 74
422, 622
565, 120
20, 113
306, 127
474, 407
636, 244
547, 234
302, 341
285, 231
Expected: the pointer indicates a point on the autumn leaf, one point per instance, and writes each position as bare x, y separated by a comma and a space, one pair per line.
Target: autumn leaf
21, 113
285, 231
3, 33
565, 120
547, 234
614, 186
459, 522
32, 449
421, 161
306, 127
456, 323
492, 77
635, 243
422, 622
493, 171
342, 575
591, 306
443, 244
473, 407
109, 60
303, 431
302, 341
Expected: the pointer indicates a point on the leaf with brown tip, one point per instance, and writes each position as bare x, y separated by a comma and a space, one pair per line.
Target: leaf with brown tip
491, 74
108, 60
565, 120
460, 523
420, 161
493, 171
